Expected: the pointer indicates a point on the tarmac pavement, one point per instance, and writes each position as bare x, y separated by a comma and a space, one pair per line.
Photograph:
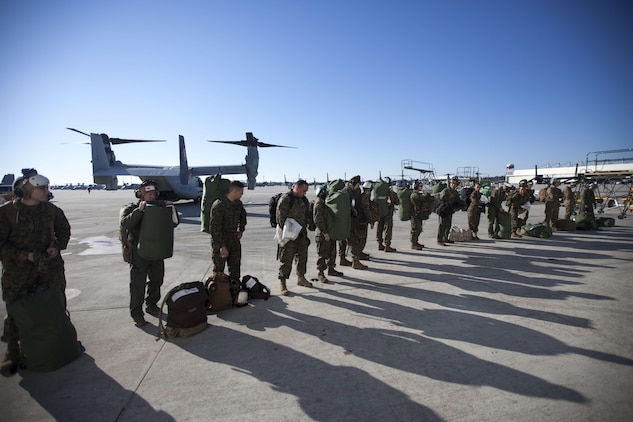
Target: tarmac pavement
524, 329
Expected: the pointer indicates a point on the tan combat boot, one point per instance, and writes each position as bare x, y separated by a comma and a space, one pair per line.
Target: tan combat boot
381, 247
301, 281
323, 278
344, 262
357, 265
516, 233
282, 286
416, 246
332, 271
388, 248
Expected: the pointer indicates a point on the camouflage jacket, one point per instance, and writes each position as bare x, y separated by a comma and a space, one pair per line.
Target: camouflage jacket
25, 229
569, 197
227, 219
320, 217
296, 208
553, 195
516, 201
422, 205
497, 198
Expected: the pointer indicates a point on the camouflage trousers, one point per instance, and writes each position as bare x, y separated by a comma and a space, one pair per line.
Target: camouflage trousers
385, 227
416, 229
353, 240
294, 249
551, 213
326, 251
233, 261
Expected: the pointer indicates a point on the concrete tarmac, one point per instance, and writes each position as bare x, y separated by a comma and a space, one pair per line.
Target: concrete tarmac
524, 329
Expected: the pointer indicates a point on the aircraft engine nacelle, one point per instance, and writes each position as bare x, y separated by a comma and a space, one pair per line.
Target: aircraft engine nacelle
110, 182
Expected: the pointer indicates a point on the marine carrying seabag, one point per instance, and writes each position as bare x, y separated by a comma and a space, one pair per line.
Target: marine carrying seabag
215, 187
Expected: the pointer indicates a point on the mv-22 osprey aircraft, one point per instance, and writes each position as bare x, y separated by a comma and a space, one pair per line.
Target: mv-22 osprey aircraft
176, 182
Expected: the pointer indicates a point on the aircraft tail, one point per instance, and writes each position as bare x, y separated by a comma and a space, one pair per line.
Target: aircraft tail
8, 180
102, 160
184, 166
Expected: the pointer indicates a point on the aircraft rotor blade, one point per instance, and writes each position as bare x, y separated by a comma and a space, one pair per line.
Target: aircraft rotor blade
245, 144
78, 131
241, 143
117, 141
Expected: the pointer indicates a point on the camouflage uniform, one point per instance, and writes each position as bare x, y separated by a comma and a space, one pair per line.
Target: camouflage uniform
25, 229
496, 199
298, 248
228, 220
569, 200
422, 207
553, 198
141, 268
385, 224
474, 212
449, 196
326, 249
587, 204
516, 202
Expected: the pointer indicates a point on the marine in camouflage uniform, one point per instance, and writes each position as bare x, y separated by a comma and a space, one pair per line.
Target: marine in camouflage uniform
143, 272
496, 199
421, 209
450, 196
517, 200
474, 210
553, 199
226, 226
588, 203
297, 208
569, 200
359, 213
384, 230
326, 247
31, 238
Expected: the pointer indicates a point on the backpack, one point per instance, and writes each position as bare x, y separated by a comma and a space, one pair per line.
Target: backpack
215, 187
536, 230
186, 311
438, 188
542, 193
272, 209
380, 194
126, 240
404, 209
464, 196
255, 289
220, 293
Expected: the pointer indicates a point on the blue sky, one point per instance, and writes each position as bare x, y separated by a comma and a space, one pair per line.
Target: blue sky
356, 86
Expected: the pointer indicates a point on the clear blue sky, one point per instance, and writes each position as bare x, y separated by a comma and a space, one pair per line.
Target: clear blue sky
356, 86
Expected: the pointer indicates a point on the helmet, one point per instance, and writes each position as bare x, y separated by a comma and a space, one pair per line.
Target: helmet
368, 184
322, 191
147, 186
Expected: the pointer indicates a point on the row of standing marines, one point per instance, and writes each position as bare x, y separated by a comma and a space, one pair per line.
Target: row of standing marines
33, 231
